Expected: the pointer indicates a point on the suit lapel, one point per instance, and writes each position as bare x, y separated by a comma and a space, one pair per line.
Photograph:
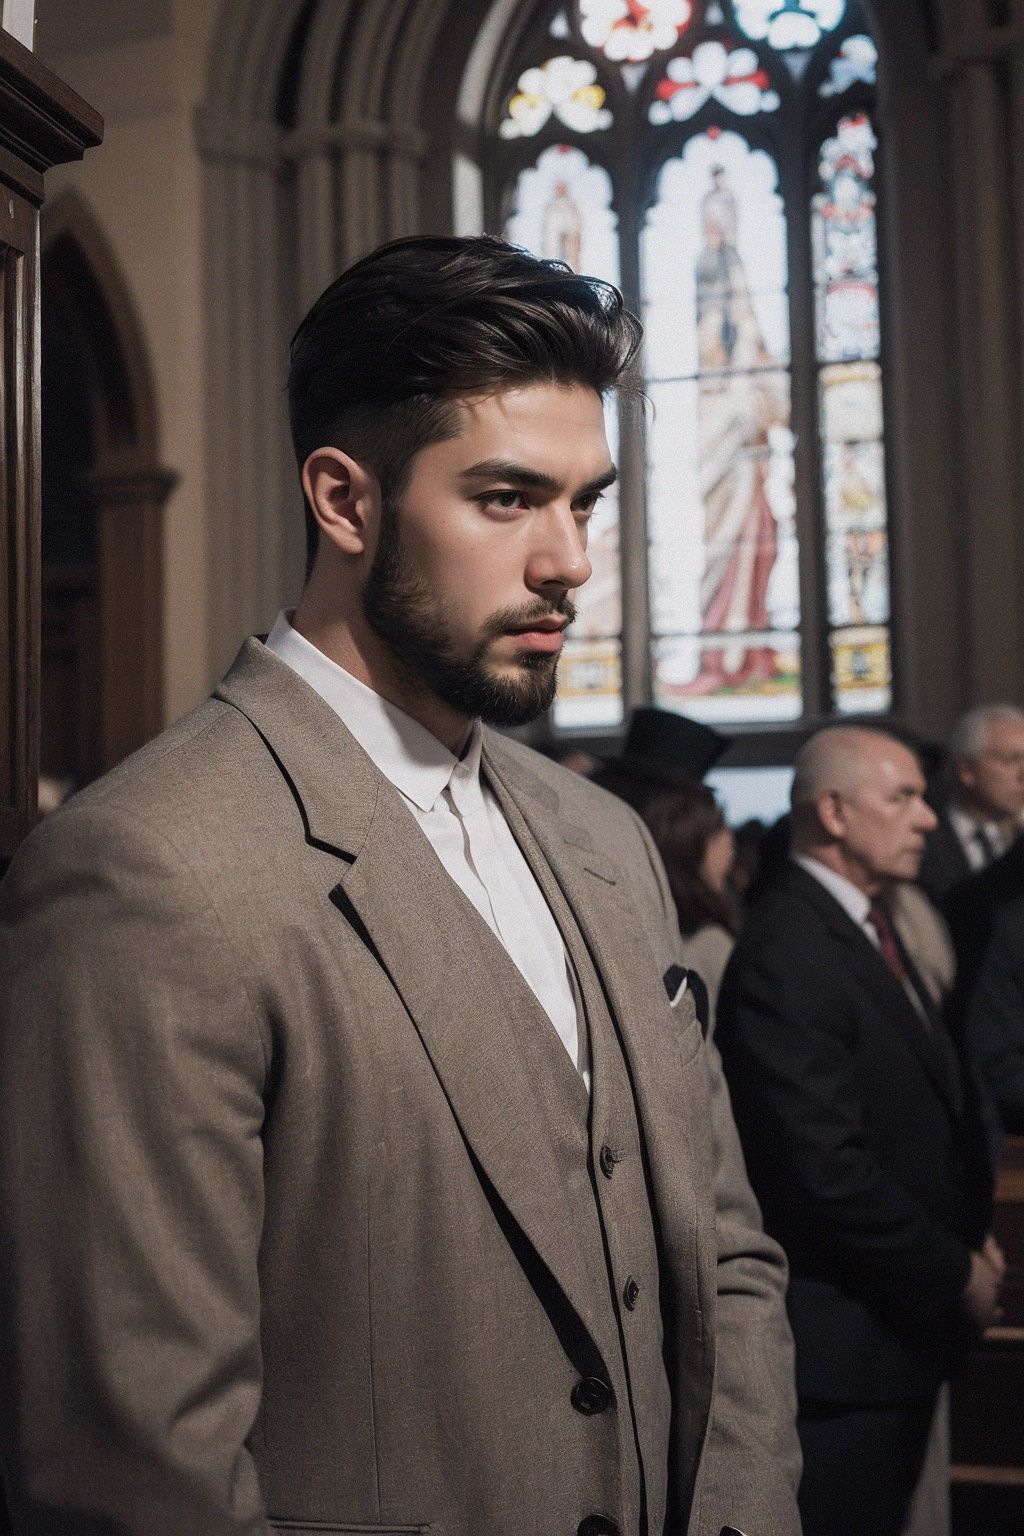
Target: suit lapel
464, 995
593, 887
874, 975
573, 870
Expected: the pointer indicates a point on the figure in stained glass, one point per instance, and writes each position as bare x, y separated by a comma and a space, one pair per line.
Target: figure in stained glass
562, 209
738, 405
563, 228
858, 589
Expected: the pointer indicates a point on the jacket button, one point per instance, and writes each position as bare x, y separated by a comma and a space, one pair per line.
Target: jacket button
630, 1292
597, 1525
607, 1161
591, 1395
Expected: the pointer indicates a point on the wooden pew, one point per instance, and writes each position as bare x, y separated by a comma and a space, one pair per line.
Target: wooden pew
987, 1407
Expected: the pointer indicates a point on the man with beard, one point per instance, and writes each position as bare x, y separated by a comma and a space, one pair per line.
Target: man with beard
362, 1162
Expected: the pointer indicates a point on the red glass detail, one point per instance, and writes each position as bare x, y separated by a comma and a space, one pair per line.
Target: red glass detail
639, 13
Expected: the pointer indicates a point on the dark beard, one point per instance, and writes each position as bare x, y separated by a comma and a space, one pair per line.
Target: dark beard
400, 608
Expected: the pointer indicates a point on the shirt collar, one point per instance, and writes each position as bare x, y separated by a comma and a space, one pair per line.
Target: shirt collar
967, 827
853, 901
417, 764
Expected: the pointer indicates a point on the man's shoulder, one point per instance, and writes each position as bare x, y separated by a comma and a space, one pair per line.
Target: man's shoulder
788, 927
792, 896
201, 757
184, 790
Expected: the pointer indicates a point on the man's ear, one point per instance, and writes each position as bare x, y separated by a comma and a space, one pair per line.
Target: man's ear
345, 498
829, 807
965, 772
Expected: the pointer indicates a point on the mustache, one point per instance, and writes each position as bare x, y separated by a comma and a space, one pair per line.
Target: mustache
507, 620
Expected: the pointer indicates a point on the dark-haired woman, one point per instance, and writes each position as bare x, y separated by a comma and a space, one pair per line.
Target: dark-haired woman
698, 851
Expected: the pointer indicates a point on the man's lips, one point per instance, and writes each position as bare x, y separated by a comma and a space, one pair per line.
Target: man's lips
541, 634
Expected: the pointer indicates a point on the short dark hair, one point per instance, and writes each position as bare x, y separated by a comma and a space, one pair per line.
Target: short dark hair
381, 356
682, 822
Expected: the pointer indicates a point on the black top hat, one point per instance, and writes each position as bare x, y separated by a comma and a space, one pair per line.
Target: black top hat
669, 749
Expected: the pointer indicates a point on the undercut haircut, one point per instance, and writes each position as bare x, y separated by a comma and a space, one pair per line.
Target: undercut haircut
381, 358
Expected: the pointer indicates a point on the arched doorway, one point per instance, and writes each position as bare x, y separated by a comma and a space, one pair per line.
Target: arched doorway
104, 491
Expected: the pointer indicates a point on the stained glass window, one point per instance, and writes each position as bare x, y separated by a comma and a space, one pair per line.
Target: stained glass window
665, 147
732, 76
562, 86
785, 24
590, 671
856, 62
627, 32
845, 243
561, 208
723, 573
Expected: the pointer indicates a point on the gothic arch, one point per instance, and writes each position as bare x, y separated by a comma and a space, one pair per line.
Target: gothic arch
385, 95
126, 484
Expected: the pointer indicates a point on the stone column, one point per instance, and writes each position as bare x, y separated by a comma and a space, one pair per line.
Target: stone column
251, 552
987, 315
407, 151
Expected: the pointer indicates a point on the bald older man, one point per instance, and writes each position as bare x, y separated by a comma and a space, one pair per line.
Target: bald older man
863, 1135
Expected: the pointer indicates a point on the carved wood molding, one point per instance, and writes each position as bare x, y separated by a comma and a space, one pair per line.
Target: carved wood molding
43, 122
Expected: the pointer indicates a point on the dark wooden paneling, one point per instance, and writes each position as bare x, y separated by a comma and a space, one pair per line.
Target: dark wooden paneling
19, 450
986, 1414
42, 123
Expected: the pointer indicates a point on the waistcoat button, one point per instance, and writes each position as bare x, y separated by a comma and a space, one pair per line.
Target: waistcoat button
630, 1292
591, 1395
597, 1525
607, 1161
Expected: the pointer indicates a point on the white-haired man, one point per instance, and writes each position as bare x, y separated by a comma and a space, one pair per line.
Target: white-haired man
862, 1135
982, 815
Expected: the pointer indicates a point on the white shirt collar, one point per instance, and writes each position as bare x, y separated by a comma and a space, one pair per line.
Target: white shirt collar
418, 765
853, 901
967, 827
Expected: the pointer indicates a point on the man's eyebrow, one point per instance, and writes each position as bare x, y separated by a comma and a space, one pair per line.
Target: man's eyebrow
511, 473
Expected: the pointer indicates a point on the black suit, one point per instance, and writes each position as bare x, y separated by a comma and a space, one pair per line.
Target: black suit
995, 1019
864, 1146
972, 908
944, 863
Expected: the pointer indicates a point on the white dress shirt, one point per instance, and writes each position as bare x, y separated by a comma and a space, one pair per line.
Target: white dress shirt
463, 823
967, 829
852, 900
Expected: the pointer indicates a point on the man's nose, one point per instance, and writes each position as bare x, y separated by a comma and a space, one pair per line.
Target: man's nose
559, 555
927, 819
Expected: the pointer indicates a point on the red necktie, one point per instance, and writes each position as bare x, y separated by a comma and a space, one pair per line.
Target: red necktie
881, 922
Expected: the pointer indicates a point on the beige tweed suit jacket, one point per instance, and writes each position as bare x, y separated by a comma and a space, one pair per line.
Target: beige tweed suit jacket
284, 1243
